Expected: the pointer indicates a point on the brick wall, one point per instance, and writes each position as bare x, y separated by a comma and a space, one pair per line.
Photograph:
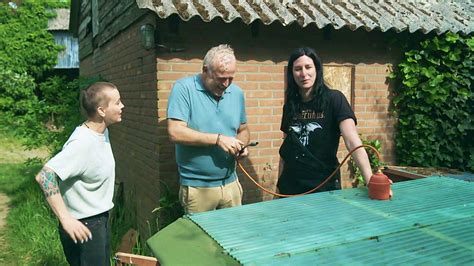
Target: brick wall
144, 155
372, 100
260, 73
134, 141
263, 84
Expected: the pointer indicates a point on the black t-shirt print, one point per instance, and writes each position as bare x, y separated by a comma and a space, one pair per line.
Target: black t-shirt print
305, 124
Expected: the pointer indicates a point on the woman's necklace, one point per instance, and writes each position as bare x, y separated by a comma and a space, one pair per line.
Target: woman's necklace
85, 124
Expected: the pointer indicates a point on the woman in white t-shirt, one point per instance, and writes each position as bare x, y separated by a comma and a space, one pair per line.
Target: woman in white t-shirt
79, 181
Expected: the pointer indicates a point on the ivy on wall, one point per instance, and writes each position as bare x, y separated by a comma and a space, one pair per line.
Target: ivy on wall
434, 102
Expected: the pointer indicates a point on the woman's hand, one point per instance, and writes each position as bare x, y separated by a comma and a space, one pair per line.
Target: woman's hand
76, 230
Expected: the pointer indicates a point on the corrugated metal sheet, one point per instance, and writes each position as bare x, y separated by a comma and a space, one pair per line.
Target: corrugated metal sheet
411, 15
59, 27
466, 176
429, 221
69, 57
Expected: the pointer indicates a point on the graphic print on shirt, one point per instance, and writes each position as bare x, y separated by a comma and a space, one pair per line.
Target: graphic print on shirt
303, 131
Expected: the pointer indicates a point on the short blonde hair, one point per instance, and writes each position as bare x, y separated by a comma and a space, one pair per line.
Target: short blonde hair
222, 53
94, 96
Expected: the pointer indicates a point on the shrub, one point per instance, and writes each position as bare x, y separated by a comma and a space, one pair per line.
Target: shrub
434, 102
40, 107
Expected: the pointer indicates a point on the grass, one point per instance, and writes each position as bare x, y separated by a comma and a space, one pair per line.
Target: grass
31, 234
11, 151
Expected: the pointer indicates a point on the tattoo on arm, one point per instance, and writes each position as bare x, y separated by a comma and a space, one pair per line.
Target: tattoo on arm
48, 182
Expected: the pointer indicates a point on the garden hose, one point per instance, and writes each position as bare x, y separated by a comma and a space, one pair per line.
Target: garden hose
314, 189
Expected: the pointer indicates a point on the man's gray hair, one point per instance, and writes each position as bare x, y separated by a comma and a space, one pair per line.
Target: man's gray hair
222, 53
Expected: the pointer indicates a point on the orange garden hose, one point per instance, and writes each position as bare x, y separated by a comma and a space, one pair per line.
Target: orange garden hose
318, 186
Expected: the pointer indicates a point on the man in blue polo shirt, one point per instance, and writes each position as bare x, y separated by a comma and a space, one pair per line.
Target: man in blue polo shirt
208, 124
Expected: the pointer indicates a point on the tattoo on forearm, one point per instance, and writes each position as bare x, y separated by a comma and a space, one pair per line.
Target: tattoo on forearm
49, 182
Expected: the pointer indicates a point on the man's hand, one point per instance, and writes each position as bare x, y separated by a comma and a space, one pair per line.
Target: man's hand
230, 145
243, 153
76, 230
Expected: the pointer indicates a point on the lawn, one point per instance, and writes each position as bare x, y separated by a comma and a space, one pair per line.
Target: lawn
30, 236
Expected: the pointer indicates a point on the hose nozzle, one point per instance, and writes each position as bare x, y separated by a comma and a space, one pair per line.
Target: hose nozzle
252, 144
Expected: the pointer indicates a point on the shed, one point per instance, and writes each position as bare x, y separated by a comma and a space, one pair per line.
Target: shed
357, 41
59, 27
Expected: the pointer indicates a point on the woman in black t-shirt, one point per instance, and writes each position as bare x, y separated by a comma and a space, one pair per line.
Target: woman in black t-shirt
314, 117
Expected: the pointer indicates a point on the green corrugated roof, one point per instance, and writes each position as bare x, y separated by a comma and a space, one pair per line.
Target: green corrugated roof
428, 221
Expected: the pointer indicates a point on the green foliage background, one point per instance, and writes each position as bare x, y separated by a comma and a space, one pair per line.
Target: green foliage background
434, 102
41, 108
375, 163
38, 108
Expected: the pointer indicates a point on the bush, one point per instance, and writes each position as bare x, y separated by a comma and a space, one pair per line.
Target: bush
434, 102
41, 108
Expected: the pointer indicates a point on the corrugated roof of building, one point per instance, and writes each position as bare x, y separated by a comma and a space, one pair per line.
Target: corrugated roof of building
408, 15
429, 221
61, 21
69, 57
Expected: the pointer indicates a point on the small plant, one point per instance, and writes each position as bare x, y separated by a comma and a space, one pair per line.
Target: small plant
168, 210
375, 163
122, 216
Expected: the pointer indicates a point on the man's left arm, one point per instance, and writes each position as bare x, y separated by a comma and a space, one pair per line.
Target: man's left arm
243, 134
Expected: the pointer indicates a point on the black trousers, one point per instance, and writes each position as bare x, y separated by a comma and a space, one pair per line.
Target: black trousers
93, 252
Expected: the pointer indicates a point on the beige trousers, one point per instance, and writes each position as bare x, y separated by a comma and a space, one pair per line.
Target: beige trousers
201, 199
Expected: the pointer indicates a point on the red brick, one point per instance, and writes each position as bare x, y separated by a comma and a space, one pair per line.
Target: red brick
272, 69
259, 111
244, 68
258, 77
191, 68
271, 86
247, 86
261, 127
258, 94
270, 102
170, 76
376, 78
365, 70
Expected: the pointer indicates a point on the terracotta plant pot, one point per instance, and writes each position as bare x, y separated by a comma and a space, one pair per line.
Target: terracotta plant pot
379, 186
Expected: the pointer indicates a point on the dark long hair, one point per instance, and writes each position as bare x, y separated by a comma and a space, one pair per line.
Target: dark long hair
320, 89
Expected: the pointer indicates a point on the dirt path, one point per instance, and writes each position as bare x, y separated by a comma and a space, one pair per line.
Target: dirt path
3, 216
3, 210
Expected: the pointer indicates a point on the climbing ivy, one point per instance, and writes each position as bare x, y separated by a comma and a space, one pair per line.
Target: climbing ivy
434, 102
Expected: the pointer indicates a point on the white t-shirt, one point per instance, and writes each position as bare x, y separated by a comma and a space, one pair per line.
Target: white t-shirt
86, 167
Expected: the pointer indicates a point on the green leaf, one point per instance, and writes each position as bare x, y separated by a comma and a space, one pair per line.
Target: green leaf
452, 37
470, 43
411, 82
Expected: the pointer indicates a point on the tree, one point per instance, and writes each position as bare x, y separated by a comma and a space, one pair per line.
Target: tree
40, 107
